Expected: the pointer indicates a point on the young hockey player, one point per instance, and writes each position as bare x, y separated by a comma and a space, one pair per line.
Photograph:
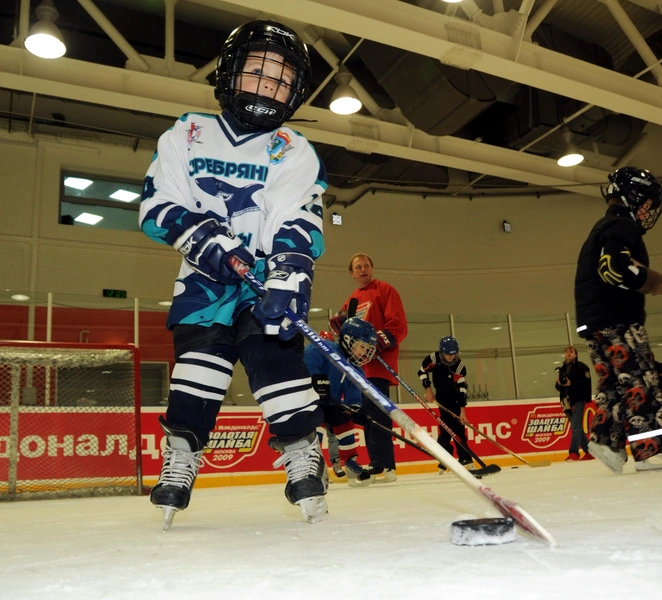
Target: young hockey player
450, 384
358, 343
240, 184
610, 286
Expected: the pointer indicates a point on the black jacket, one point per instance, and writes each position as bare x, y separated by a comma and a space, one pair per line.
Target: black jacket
450, 381
579, 375
599, 304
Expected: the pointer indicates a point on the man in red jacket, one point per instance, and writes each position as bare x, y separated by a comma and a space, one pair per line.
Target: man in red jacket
380, 305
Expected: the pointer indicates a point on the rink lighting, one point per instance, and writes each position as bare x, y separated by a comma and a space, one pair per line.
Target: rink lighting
497, 328
165, 303
570, 154
316, 310
20, 297
336, 219
88, 218
124, 196
78, 183
44, 38
344, 100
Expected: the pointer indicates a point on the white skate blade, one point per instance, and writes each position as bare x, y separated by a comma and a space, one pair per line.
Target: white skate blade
612, 460
647, 465
168, 516
314, 509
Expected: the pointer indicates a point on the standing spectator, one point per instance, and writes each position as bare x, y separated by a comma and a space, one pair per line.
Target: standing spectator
241, 185
378, 303
449, 377
574, 387
610, 286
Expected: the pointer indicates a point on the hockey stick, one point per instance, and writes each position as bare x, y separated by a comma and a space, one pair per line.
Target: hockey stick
482, 472
506, 507
493, 468
539, 463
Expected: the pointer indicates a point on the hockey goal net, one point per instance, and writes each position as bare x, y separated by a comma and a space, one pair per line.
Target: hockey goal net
69, 420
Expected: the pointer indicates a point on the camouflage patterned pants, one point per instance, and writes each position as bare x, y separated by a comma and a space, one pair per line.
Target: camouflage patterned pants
628, 398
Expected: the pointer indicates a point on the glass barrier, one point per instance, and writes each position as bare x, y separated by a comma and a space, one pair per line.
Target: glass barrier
506, 356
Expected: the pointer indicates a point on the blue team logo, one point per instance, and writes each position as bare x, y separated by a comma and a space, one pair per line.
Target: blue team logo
278, 147
193, 135
237, 200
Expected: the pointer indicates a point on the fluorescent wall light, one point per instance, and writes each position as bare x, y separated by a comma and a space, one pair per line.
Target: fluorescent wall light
88, 218
124, 196
165, 303
336, 219
20, 297
78, 183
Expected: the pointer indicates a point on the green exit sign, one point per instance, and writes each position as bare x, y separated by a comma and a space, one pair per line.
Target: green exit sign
114, 293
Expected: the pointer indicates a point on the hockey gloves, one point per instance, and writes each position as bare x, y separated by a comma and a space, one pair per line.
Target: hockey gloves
322, 386
207, 245
385, 340
289, 283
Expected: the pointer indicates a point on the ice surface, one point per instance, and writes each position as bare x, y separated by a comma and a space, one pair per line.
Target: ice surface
383, 541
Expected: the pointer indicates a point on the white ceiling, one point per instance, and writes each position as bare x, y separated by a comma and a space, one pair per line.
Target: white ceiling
485, 36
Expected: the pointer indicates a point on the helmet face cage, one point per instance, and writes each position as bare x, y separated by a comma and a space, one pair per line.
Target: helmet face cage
283, 62
449, 345
358, 340
634, 187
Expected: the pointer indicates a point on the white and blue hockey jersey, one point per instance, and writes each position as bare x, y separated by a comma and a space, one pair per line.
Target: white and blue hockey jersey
266, 186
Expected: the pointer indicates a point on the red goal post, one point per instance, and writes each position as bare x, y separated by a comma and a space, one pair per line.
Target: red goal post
69, 420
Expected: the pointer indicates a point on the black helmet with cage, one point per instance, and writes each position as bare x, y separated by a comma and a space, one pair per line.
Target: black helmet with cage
252, 110
633, 187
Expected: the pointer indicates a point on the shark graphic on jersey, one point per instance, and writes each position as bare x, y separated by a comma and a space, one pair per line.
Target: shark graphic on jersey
238, 200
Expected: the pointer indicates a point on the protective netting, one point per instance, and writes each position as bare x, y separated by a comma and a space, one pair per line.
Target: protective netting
67, 422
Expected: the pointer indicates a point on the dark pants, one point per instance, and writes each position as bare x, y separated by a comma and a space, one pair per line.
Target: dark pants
578, 439
277, 376
628, 390
378, 442
460, 432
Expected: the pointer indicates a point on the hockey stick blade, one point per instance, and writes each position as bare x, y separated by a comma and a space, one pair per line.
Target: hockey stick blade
505, 507
450, 432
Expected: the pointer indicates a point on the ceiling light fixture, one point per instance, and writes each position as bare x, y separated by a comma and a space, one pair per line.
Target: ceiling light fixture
344, 101
570, 154
44, 38
124, 196
78, 183
88, 218
452, 1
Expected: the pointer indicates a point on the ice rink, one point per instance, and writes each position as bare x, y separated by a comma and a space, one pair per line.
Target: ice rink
384, 541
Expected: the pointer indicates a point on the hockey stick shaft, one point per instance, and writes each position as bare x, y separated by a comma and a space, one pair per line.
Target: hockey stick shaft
540, 463
506, 507
422, 402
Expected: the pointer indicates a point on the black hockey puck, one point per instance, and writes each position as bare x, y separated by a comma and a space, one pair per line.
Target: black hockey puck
482, 532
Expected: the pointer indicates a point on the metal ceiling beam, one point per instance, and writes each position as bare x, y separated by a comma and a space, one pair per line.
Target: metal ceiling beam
151, 93
468, 46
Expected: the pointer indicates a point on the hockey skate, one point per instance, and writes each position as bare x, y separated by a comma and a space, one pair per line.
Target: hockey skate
654, 463
182, 458
354, 471
612, 459
378, 475
307, 477
338, 471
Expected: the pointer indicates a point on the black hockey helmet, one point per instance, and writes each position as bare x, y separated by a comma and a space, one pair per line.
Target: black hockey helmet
633, 187
250, 109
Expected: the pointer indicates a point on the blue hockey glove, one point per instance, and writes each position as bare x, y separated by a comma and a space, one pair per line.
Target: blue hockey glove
289, 283
207, 245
